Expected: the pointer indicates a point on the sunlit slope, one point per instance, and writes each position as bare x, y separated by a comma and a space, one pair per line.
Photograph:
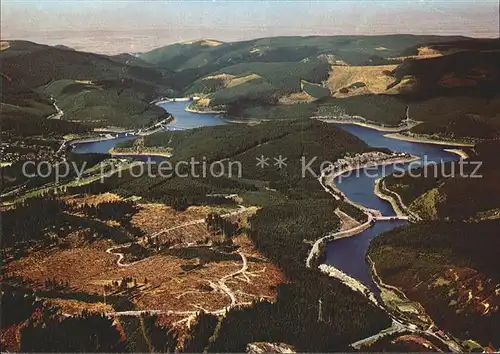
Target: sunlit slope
239, 86
454, 92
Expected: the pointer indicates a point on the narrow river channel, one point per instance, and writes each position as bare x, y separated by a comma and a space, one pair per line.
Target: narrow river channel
349, 254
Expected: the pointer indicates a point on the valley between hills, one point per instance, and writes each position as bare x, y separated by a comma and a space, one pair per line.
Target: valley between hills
194, 262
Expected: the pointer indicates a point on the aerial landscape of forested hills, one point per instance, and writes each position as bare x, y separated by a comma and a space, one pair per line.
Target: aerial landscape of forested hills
280, 230
444, 81
218, 263
449, 83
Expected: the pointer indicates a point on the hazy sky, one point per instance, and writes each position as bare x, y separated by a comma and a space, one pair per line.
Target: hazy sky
111, 26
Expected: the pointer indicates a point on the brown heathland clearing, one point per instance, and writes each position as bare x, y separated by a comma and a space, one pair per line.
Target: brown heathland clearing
91, 199
69, 306
375, 78
169, 279
294, 98
4, 45
153, 217
162, 284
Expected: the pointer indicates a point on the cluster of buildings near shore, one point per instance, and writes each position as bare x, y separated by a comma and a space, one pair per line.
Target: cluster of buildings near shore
368, 159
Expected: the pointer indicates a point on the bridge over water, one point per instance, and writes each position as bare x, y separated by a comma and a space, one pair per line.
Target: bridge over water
391, 218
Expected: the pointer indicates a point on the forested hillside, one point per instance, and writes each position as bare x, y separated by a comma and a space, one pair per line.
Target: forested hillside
355, 50
243, 144
441, 192
295, 211
119, 92
451, 268
451, 87
449, 261
248, 79
240, 87
449, 83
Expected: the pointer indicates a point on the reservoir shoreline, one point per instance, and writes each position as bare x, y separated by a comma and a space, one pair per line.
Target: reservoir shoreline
179, 119
464, 155
142, 153
362, 201
370, 125
349, 256
425, 140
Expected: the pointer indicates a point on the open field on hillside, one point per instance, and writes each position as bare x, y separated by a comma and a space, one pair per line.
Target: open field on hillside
294, 98
259, 83
347, 81
205, 42
423, 53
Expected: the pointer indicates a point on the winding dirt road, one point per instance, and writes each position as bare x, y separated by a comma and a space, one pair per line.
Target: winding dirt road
219, 285
191, 315
121, 256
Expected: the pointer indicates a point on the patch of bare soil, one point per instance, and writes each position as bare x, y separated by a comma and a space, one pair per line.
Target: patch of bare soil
346, 222
168, 282
154, 217
294, 98
205, 42
93, 199
452, 81
181, 271
423, 53
165, 281
4, 45
10, 338
345, 81
74, 267
71, 307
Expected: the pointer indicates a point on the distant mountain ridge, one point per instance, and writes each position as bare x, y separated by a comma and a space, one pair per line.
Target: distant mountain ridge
286, 49
444, 79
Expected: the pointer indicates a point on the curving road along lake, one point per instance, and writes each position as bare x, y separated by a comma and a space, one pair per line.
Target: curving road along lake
183, 120
346, 254
349, 254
